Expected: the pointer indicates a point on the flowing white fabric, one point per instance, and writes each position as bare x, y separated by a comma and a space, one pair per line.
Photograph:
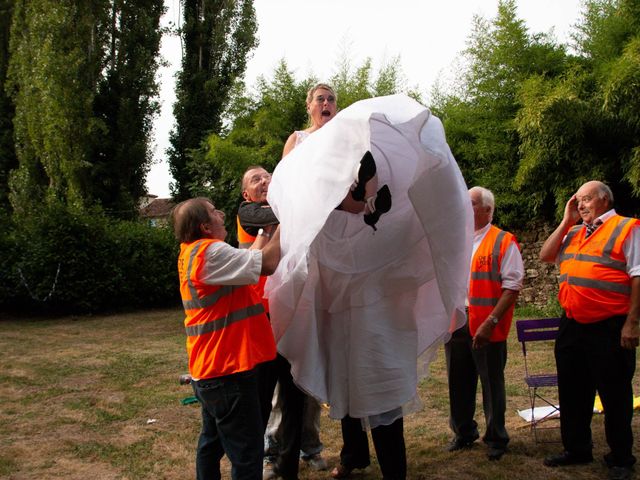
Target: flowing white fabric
353, 309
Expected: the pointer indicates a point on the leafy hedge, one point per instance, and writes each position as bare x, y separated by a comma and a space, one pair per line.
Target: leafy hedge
66, 262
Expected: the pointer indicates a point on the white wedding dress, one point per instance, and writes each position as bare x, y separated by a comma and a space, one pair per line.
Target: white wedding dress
360, 314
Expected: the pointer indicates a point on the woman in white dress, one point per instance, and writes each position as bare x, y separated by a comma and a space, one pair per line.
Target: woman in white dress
353, 309
321, 107
389, 440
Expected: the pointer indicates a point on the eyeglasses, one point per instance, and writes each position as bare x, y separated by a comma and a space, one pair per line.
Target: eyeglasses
321, 98
259, 178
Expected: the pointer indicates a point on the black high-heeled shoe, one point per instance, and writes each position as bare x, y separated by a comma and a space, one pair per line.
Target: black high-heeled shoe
382, 205
367, 172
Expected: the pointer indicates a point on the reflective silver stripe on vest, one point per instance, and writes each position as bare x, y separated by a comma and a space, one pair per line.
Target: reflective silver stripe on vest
608, 248
494, 273
604, 259
572, 233
192, 256
207, 300
599, 284
219, 324
483, 302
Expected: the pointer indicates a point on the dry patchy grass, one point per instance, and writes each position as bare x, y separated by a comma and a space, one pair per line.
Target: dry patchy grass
76, 395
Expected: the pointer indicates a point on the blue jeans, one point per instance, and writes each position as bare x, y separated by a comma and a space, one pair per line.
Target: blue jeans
286, 458
231, 424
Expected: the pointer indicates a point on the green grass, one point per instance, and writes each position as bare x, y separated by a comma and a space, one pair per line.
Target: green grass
552, 309
7, 465
98, 397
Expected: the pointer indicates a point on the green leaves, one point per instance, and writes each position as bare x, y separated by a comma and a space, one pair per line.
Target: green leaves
71, 261
533, 123
124, 106
217, 39
480, 119
82, 80
586, 123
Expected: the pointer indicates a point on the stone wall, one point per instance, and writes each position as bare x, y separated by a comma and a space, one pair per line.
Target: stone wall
540, 279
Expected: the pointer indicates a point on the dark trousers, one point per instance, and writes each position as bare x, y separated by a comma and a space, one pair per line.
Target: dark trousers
231, 424
279, 370
589, 358
310, 444
464, 365
388, 441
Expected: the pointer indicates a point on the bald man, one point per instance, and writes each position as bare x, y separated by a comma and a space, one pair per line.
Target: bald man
595, 350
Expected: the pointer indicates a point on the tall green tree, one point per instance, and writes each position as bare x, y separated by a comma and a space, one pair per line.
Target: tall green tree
261, 123
125, 105
55, 61
8, 160
353, 83
217, 36
479, 115
82, 79
586, 124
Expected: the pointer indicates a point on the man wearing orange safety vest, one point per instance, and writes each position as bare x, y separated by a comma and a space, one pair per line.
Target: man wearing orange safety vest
288, 433
599, 264
255, 214
228, 336
479, 349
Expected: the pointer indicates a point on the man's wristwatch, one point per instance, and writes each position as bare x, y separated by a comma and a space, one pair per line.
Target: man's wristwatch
494, 320
263, 233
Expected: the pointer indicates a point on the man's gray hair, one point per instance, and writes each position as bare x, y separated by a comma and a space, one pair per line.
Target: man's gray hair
605, 192
487, 199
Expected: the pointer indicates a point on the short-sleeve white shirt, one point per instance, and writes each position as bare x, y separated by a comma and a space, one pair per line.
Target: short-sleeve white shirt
226, 265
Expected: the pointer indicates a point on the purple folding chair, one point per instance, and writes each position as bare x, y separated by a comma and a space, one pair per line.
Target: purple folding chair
537, 330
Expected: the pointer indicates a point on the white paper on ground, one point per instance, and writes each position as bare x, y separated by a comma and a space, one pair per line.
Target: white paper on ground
539, 413
546, 412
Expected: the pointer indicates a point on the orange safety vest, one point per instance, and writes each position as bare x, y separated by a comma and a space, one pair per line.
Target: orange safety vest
245, 241
485, 287
227, 329
594, 283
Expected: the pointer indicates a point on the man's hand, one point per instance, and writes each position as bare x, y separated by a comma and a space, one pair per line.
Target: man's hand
630, 335
483, 334
552, 244
571, 214
270, 229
